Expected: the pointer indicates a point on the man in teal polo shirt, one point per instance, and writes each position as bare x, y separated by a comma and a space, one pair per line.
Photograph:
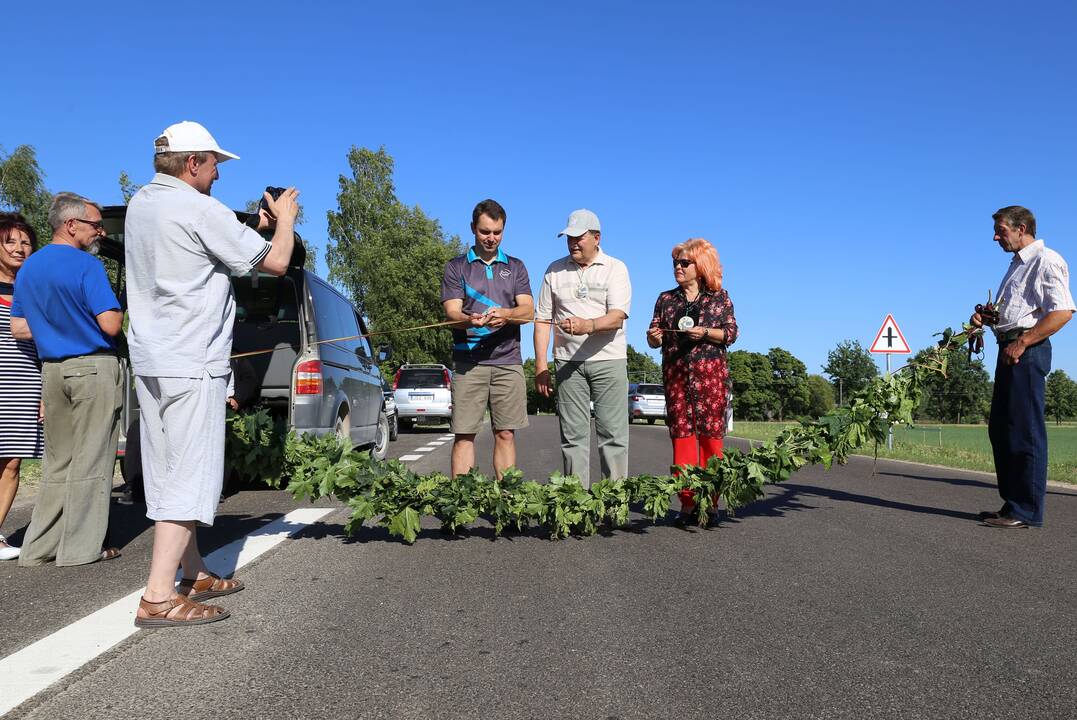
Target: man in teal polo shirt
488, 293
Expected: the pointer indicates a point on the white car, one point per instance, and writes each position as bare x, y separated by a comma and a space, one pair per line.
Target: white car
646, 401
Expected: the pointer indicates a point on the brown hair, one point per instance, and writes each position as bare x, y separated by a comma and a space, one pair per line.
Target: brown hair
1014, 215
491, 209
703, 254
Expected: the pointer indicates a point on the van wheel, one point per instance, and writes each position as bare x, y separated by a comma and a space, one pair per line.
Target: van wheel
406, 424
380, 448
394, 427
343, 426
650, 421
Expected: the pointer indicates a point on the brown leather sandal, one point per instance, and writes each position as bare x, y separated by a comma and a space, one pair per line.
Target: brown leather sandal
176, 612
208, 587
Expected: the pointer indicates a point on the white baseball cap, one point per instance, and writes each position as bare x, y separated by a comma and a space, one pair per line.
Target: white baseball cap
188, 136
579, 222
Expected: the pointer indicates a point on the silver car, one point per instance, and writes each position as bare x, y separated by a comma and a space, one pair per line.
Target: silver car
422, 393
646, 401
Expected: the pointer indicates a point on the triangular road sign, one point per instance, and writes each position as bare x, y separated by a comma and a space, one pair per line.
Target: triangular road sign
889, 339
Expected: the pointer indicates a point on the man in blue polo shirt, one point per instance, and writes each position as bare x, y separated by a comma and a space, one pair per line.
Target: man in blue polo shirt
489, 294
63, 301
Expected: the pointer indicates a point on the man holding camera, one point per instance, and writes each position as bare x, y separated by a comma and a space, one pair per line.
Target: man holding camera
1034, 302
181, 248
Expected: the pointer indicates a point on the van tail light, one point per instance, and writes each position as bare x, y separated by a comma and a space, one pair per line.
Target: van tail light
308, 378
445, 378
636, 398
396, 379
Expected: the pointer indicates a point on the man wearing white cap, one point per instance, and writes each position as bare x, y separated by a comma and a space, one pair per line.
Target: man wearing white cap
181, 248
586, 297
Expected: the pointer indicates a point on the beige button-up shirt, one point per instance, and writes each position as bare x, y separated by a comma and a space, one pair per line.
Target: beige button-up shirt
608, 288
1036, 283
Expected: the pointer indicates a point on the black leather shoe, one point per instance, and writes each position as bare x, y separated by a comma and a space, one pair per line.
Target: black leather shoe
996, 514
1006, 522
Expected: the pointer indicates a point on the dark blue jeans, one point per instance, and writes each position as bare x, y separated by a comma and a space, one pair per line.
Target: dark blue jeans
1018, 432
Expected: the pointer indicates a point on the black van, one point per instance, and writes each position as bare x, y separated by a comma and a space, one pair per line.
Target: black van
318, 387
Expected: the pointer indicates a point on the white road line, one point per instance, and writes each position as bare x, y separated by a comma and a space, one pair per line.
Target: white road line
425, 449
436, 442
409, 458
27, 672
447, 437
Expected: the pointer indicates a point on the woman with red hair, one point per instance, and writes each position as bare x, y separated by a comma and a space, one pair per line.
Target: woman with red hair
694, 324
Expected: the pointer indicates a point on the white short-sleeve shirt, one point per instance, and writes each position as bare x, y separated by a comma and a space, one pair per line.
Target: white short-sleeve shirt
1036, 283
181, 248
608, 288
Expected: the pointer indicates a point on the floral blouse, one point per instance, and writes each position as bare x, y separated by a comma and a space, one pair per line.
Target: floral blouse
710, 309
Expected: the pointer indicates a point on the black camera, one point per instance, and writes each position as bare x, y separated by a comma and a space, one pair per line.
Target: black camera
275, 193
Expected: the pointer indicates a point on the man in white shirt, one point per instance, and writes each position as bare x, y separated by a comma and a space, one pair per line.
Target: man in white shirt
1035, 302
585, 298
181, 248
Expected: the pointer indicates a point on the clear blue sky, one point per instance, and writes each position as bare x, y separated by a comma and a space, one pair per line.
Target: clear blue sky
844, 157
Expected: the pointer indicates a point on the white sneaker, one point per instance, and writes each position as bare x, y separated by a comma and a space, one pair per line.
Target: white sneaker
7, 552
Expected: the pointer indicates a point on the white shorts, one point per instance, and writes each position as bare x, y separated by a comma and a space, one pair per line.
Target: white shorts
182, 432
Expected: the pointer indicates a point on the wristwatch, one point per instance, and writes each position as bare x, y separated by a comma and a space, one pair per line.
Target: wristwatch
706, 332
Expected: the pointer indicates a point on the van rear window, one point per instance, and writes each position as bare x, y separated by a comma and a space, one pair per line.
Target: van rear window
650, 390
425, 378
273, 299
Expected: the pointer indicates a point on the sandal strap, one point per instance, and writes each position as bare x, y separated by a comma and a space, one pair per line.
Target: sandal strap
187, 609
210, 582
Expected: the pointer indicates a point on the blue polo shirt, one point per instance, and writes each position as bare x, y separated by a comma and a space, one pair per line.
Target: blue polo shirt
483, 287
61, 290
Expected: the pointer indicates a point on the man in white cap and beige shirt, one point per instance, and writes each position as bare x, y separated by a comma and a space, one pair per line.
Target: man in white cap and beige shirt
181, 248
585, 298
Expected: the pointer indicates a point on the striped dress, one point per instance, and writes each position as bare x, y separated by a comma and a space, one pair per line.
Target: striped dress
20, 393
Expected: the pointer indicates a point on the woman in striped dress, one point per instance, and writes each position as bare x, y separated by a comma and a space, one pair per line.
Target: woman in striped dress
20, 374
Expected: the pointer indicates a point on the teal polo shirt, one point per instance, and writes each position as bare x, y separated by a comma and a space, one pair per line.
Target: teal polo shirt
482, 287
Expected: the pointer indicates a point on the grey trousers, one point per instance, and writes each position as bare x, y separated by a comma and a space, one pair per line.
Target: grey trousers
606, 383
83, 397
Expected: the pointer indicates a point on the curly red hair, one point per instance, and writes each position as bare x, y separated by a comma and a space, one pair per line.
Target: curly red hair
703, 254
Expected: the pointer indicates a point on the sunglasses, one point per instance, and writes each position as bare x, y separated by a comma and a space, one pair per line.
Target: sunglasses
681, 263
96, 225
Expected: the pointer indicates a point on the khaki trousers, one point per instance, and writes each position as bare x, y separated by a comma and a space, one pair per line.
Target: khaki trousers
604, 382
83, 396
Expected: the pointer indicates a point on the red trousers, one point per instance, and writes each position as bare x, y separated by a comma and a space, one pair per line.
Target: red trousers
694, 450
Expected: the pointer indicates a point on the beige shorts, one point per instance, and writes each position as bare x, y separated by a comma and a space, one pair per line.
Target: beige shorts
500, 388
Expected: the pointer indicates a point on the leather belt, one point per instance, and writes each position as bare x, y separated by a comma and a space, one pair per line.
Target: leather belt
1010, 335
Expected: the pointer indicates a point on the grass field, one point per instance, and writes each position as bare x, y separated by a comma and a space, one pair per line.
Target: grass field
958, 446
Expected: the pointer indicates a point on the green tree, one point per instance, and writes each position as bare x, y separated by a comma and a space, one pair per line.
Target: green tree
536, 402
790, 384
964, 395
642, 367
850, 368
822, 396
753, 394
128, 187
1061, 396
390, 257
22, 189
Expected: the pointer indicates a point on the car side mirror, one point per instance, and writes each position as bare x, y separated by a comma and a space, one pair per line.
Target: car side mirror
384, 352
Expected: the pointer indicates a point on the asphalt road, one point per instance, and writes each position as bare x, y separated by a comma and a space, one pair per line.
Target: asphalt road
840, 595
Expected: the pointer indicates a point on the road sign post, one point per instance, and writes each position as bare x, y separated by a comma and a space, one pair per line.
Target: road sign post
888, 341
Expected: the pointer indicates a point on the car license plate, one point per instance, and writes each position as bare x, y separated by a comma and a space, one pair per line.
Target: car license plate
421, 396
